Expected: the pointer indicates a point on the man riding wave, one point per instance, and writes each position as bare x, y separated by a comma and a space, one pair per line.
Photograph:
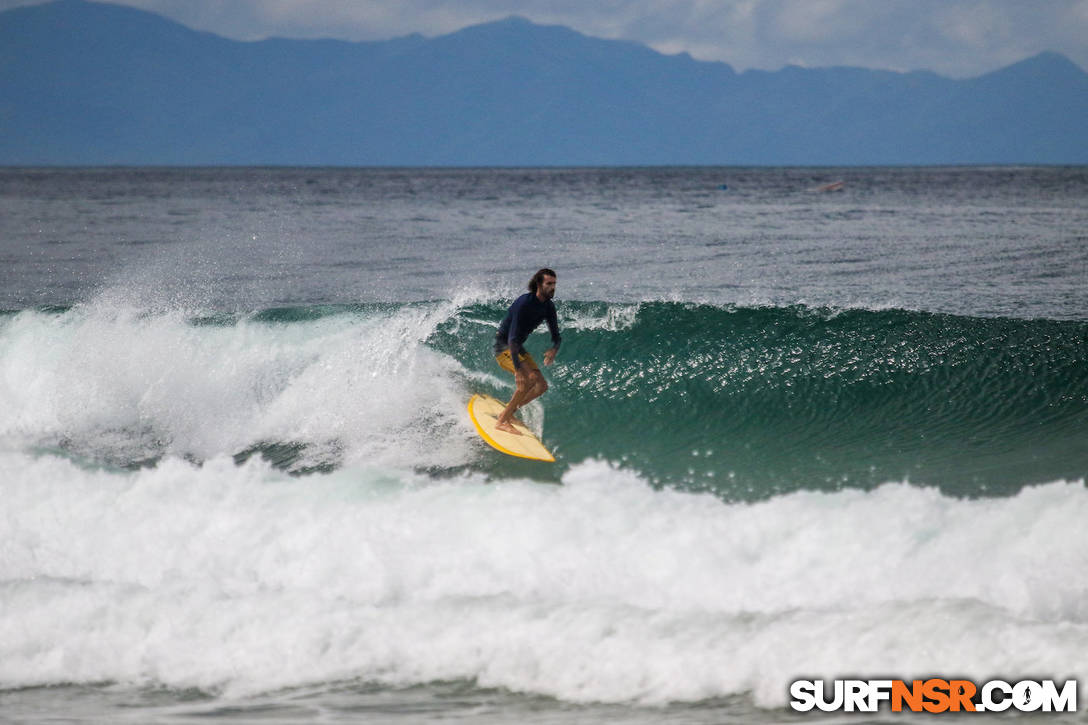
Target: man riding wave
524, 316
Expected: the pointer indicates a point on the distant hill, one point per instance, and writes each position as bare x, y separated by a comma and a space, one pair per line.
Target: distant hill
85, 83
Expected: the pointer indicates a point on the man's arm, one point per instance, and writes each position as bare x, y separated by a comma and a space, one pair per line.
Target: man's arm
553, 328
511, 341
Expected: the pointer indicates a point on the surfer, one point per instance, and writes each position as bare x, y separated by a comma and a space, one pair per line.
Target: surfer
524, 316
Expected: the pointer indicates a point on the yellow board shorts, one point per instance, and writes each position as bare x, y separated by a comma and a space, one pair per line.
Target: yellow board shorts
507, 364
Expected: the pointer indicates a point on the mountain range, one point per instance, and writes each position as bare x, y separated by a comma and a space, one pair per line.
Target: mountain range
89, 83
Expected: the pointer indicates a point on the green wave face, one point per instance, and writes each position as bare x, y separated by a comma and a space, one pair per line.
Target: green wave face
751, 402
744, 402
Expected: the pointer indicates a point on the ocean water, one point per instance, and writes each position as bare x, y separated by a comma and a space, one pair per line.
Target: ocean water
799, 434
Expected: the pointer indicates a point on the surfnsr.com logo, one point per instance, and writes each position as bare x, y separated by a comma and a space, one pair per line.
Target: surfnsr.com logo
934, 695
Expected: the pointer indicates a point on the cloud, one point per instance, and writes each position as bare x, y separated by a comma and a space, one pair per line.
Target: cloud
817, 21
954, 37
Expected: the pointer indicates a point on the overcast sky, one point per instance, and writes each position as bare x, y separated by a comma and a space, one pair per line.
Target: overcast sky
958, 38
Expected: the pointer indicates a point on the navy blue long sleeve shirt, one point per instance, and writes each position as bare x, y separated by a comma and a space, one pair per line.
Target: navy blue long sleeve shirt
524, 316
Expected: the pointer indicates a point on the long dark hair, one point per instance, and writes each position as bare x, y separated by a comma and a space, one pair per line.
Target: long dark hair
534, 283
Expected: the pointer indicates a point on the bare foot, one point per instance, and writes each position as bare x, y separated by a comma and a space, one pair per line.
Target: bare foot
507, 427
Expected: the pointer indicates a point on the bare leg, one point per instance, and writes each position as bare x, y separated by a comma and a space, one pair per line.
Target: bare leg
506, 418
539, 387
530, 386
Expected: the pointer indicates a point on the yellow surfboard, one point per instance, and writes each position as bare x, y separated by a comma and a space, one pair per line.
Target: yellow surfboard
484, 411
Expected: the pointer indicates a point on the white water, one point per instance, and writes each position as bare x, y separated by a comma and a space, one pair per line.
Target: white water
113, 382
241, 579
110, 381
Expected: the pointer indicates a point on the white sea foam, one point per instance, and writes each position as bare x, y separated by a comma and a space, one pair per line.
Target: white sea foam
241, 579
610, 317
107, 380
